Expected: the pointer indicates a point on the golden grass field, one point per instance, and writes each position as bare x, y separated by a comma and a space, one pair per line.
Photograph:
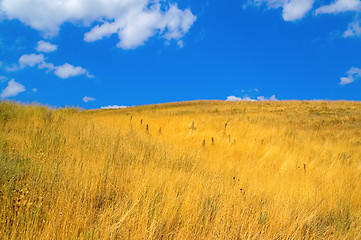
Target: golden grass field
193, 170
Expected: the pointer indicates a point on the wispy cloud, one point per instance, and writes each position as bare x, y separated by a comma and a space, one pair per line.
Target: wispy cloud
262, 98
180, 43
3, 78
293, 10
13, 88
12, 68
353, 29
87, 99
340, 6
352, 74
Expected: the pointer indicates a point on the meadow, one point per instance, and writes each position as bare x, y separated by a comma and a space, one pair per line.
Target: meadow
190, 170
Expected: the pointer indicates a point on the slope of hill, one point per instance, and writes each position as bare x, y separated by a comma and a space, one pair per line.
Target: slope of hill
192, 170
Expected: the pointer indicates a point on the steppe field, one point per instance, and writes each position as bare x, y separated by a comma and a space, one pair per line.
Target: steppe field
191, 170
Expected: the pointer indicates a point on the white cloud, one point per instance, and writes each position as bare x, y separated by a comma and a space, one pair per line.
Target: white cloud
352, 74
292, 10
262, 98
237, 99
114, 107
346, 80
47, 16
46, 47
67, 70
138, 25
353, 29
273, 98
35, 89
269, 3
45, 65
87, 99
135, 21
296, 9
12, 68
246, 98
233, 98
340, 6
180, 43
63, 71
30, 60
3, 78
13, 89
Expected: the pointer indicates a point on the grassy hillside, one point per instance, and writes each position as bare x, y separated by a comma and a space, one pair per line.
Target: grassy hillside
195, 170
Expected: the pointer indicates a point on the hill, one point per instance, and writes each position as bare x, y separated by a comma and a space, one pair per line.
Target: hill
191, 170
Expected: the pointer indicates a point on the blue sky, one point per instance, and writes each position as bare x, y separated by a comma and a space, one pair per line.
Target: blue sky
96, 53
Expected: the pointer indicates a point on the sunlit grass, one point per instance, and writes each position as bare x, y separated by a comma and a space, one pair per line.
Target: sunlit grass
197, 170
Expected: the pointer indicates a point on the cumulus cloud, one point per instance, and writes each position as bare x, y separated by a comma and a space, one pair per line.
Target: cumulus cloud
46, 47
38, 60
246, 98
114, 107
30, 60
340, 6
135, 21
137, 26
237, 99
352, 74
13, 88
87, 99
47, 16
292, 10
67, 70
46, 65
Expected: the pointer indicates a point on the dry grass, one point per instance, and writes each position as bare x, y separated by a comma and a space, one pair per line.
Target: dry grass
199, 170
